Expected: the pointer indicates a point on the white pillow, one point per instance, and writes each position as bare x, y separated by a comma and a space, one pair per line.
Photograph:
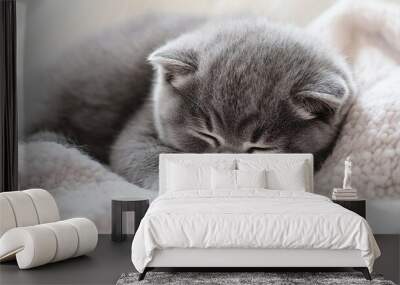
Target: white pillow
223, 179
285, 174
231, 180
191, 174
251, 179
184, 178
188, 161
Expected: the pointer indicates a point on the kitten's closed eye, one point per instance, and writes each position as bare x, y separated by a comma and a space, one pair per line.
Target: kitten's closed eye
210, 138
258, 147
261, 149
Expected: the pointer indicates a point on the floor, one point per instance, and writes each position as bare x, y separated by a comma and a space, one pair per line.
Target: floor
102, 266
110, 259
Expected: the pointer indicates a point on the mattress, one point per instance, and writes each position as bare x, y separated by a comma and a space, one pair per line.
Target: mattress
252, 219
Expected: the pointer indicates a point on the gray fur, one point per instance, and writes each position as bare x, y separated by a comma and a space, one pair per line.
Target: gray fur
241, 85
97, 86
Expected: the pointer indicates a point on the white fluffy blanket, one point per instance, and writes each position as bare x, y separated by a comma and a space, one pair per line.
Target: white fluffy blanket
81, 186
366, 32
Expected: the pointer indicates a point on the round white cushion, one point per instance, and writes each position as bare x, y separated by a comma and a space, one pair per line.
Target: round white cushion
27, 208
23, 208
87, 234
7, 220
40, 244
45, 205
67, 238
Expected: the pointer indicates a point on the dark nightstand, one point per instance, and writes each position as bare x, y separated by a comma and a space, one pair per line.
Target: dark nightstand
125, 204
357, 206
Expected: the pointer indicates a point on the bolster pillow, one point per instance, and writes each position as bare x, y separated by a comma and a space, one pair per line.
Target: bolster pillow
26, 208
40, 244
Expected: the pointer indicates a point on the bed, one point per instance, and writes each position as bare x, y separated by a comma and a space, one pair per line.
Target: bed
244, 211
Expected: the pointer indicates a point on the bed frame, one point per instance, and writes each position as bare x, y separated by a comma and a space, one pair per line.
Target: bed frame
234, 259
245, 259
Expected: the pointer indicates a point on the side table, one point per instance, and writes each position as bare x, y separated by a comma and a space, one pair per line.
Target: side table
121, 205
357, 206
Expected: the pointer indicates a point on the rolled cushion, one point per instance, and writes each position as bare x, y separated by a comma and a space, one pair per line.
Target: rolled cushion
7, 220
45, 205
40, 244
26, 208
23, 208
32, 246
87, 235
67, 239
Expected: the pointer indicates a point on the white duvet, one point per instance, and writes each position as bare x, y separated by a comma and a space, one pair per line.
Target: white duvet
250, 219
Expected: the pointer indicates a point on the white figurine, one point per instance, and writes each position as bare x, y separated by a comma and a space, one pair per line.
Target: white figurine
347, 173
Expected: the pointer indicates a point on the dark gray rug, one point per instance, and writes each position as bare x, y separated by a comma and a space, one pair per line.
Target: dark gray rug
243, 278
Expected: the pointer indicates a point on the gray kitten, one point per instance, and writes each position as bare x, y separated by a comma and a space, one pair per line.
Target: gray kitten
243, 85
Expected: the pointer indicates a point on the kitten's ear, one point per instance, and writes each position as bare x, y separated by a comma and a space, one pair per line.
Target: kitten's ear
176, 66
322, 101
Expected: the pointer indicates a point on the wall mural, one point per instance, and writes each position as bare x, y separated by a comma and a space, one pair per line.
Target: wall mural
97, 114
